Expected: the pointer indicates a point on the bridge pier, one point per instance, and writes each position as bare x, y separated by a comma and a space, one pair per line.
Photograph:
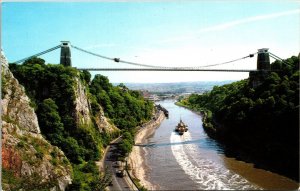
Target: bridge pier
65, 53
263, 67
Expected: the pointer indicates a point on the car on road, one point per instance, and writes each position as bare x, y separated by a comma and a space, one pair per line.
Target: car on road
120, 173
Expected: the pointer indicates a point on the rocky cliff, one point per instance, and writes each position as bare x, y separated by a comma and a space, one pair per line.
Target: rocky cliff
82, 105
103, 123
83, 111
28, 160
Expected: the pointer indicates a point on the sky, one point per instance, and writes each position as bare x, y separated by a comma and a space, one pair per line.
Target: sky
166, 33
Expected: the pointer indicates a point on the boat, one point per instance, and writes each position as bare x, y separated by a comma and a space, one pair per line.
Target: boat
181, 128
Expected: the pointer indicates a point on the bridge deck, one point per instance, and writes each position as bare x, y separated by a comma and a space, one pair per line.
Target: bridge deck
165, 69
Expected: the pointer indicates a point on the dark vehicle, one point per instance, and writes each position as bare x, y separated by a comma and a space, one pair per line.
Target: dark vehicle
120, 173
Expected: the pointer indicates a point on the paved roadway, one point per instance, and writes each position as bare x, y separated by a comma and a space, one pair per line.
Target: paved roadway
111, 156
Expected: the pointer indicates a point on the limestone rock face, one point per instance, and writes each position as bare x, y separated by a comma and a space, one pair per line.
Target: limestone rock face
15, 103
103, 124
83, 111
82, 105
26, 155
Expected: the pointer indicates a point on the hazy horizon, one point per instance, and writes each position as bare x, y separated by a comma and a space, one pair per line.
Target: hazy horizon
208, 81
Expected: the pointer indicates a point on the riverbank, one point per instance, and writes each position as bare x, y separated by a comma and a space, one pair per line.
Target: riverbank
178, 103
136, 158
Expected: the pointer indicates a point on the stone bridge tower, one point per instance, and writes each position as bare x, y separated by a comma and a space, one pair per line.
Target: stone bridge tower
263, 59
65, 54
263, 67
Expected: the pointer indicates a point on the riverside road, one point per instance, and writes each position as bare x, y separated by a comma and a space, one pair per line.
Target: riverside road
110, 160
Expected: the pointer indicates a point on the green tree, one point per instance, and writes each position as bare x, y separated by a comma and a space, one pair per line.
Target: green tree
72, 150
50, 121
34, 60
100, 83
86, 76
128, 136
125, 146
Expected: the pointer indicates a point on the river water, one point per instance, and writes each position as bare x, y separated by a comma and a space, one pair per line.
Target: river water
194, 161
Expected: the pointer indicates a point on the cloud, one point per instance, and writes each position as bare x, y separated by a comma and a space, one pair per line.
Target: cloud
249, 20
231, 24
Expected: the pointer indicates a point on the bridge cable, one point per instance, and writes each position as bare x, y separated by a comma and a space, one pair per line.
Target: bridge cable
94, 54
196, 67
115, 59
38, 54
278, 58
250, 56
156, 66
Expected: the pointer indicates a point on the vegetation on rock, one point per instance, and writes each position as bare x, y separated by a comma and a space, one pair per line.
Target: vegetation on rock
52, 90
29, 162
126, 108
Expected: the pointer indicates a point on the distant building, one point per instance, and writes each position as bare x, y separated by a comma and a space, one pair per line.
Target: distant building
145, 93
148, 96
153, 98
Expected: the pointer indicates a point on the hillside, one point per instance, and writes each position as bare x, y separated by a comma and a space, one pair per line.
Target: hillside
79, 115
29, 161
259, 124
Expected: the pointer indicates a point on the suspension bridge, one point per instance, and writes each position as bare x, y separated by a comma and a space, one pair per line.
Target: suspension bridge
263, 61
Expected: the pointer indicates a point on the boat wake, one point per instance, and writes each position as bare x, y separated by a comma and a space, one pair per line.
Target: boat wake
207, 174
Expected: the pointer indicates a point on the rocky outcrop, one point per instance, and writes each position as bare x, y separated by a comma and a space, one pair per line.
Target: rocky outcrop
103, 123
82, 105
15, 103
28, 160
83, 111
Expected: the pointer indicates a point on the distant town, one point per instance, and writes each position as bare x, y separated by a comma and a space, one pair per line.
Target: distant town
161, 91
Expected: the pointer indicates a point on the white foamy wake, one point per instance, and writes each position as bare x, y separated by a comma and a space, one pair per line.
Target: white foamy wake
207, 174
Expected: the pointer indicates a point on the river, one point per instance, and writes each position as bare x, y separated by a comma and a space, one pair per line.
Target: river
196, 162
